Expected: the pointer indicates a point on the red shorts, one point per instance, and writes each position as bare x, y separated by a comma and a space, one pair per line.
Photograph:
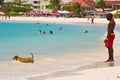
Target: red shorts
109, 42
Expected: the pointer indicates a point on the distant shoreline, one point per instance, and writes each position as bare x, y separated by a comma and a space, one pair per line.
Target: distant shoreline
59, 20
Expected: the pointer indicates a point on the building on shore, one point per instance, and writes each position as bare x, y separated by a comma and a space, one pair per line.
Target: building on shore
87, 6
91, 8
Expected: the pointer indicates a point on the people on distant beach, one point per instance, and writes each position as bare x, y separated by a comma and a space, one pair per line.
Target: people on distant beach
92, 20
110, 37
8, 16
88, 19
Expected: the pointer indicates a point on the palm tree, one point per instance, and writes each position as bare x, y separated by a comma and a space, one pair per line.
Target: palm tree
54, 5
101, 4
77, 8
7, 9
19, 6
1, 4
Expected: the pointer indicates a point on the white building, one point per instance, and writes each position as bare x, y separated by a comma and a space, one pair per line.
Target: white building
39, 5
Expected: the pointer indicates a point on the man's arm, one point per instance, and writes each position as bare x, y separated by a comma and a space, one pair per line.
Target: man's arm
110, 28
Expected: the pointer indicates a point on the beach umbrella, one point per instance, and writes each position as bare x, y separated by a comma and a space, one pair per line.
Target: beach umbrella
55, 14
66, 12
40, 13
2, 13
113, 12
59, 11
31, 13
63, 12
72, 12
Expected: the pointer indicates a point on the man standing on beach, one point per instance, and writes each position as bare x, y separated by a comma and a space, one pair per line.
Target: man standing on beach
110, 37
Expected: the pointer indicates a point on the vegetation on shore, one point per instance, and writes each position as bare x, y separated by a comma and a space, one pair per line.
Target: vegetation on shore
17, 7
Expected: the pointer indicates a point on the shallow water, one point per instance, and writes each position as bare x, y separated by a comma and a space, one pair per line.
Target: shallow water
24, 38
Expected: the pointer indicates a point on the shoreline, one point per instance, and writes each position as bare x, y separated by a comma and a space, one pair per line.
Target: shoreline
92, 68
59, 20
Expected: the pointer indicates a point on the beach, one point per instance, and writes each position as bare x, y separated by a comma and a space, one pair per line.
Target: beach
46, 19
59, 20
68, 67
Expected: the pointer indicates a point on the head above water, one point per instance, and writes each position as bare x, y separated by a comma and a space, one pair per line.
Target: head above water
109, 16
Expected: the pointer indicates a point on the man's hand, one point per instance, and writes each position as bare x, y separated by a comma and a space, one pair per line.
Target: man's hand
105, 40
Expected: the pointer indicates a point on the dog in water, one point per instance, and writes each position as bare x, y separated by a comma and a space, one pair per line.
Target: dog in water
24, 60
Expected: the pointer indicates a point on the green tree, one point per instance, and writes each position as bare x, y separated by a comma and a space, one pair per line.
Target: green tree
77, 8
20, 6
16, 7
68, 8
1, 4
101, 4
117, 15
54, 5
7, 9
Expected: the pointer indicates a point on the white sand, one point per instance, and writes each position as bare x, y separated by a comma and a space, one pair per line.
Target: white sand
111, 73
19, 71
59, 20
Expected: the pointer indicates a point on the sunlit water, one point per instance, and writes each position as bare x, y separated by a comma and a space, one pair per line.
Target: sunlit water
24, 38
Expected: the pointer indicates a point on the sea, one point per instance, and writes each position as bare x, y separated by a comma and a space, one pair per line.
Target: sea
20, 38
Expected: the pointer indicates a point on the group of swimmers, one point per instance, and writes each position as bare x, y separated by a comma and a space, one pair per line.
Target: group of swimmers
44, 32
51, 32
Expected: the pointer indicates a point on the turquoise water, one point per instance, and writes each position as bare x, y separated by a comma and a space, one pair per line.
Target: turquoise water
23, 38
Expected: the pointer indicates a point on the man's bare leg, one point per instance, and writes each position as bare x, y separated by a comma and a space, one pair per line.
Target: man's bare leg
110, 53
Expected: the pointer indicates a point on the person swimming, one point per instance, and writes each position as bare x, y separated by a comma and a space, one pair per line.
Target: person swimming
51, 32
40, 31
86, 31
44, 32
60, 28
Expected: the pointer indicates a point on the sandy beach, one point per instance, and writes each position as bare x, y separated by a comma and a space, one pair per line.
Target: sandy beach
59, 20
93, 68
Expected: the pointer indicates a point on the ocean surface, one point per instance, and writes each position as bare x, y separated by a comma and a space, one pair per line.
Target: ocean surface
17, 38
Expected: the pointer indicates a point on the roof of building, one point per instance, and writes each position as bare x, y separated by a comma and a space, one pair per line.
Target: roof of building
108, 3
83, 3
